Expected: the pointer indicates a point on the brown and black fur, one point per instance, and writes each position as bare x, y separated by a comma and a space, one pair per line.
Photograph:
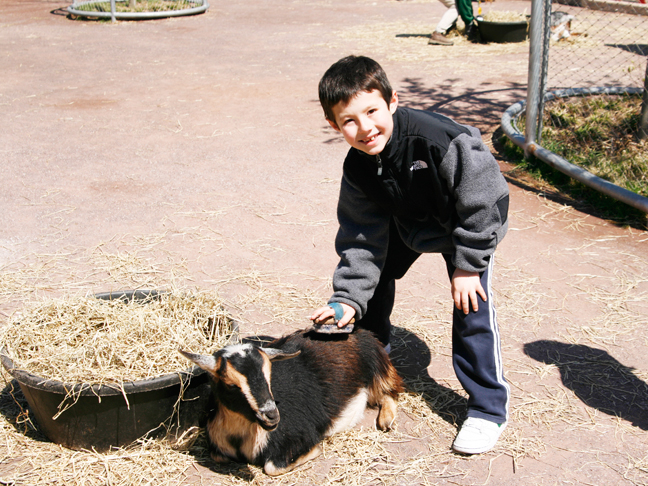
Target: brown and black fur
319, 384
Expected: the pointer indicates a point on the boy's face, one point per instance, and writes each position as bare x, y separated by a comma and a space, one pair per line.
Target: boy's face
366, 122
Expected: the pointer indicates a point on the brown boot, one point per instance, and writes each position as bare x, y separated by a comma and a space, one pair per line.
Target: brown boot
437, 38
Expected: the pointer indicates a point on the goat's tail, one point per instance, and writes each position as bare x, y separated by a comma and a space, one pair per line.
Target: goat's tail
386, 383
383, 393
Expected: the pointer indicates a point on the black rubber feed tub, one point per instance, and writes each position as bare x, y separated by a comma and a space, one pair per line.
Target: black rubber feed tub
101, 418
503, 31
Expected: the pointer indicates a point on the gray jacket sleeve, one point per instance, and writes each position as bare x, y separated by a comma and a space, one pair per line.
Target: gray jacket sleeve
481, 201
361, 243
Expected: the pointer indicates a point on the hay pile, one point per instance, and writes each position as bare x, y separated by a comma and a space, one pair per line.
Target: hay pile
88, 340
544, 412
503, 17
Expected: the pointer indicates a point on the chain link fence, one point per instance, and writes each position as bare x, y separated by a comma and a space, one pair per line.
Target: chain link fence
607, 46
587, 109
604, 47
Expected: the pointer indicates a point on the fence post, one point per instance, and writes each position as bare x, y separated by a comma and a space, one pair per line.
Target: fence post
535, 74
643, 129
546, 26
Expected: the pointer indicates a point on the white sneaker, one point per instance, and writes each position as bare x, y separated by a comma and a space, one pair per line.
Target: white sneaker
477, 435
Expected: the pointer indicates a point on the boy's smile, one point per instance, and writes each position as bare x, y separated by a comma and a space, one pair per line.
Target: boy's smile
366, 122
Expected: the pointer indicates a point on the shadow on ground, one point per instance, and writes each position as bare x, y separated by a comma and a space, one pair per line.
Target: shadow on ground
411, 357
639, 49
15, 410
598, 379
478, 107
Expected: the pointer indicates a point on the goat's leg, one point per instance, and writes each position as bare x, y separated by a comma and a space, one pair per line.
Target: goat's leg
272, 470
387, 413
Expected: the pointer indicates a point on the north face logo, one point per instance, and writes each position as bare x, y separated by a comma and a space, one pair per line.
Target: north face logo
418, 164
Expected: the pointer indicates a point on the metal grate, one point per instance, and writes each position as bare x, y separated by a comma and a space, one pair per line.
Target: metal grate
136, 9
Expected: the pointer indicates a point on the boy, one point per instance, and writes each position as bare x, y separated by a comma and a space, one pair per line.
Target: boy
416, 182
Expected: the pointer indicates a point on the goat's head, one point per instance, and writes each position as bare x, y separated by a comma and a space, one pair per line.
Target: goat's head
241, 373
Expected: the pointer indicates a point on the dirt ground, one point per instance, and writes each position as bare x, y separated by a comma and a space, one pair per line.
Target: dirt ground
193, 151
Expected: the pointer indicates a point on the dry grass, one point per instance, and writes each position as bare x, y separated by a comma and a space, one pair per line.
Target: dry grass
416, 452
599, 133
94, 341
407, 42
362, 456
624, 310
138, 6
504, 16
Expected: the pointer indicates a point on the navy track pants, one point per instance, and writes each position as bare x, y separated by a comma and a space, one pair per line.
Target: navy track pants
476, 354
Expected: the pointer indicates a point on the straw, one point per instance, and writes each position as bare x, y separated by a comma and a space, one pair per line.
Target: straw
543, 410
89, 340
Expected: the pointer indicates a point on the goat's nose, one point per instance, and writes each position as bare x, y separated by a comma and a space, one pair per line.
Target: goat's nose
269, 415
272, 416
269, 421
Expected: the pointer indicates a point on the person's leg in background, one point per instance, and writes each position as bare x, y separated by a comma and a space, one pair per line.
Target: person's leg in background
465, 9
448, 20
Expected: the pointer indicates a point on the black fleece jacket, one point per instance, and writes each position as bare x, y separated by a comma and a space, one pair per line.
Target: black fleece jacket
439, 183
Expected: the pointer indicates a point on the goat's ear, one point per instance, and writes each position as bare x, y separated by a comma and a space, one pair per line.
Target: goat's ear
206, 361
277, 354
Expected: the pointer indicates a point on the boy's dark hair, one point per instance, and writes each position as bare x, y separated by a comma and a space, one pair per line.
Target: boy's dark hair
349, 76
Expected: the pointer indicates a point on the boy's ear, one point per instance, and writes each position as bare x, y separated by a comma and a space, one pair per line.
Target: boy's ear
333, 125
393, 104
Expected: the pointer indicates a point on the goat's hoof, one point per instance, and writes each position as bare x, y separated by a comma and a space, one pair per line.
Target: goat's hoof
387, 414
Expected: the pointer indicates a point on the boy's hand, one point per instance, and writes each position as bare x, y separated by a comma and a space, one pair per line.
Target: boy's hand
465, 288
324, 313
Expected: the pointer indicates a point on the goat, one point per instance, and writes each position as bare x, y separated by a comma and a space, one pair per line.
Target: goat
560, 24
274, 405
